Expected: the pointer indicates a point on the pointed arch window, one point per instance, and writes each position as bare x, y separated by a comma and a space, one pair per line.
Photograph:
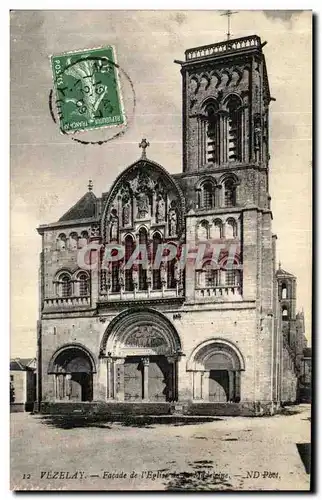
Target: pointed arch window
171, 283
156, 279
129, 249
143, 282
234, 125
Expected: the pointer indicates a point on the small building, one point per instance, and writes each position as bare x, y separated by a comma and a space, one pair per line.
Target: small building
22, 384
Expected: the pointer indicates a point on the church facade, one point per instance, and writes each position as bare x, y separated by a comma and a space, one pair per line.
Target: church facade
196, 325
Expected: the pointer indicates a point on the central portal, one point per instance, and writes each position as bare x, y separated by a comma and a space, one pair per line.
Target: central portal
148, 378
142, 349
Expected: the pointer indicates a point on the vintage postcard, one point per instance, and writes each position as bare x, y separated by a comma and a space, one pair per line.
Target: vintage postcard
161, 288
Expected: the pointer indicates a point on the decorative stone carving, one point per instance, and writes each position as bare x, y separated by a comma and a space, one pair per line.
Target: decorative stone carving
172, 220
177, 271
143, 205
126, 214
95, 231
135, 277
145, 336
121, 276
114, 225
257, 130
160, 210
163, 274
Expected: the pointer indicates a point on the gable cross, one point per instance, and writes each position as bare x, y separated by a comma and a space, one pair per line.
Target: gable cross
144, 144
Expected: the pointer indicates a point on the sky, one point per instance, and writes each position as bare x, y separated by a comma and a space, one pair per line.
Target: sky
50, 172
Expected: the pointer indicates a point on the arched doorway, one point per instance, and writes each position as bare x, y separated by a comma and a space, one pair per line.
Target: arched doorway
73, 368
216, 367
141, 348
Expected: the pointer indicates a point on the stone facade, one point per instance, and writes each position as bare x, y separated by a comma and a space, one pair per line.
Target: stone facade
183, 334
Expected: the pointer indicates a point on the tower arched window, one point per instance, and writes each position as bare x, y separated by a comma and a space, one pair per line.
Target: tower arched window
234, 126
231, 229
156, 278
129, 249
83, 284
217, 229
285, 313
212, 277
230, 193
143, 240
230, 277
208, 195
212, 134
65, 285
284, 291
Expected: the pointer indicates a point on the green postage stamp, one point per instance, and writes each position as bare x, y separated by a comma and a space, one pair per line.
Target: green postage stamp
88, 93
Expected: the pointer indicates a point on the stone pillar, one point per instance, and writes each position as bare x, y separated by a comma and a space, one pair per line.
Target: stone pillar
205, 386
146, 363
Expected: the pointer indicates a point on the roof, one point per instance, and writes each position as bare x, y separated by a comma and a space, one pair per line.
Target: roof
21, 365
281, 272
26, 361
83, 209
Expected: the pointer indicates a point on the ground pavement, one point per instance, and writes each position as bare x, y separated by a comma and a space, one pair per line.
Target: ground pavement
229, 453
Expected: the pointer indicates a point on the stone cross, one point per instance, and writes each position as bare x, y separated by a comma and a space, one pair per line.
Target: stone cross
144, 144
90, 185
229, 13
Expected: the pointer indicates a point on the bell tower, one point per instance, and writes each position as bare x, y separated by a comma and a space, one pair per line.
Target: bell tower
225, 105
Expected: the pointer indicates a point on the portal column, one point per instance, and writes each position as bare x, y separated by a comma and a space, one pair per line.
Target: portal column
230, 385
146, 363
119, 379
197, 384
109, 367
205, 386
67, 384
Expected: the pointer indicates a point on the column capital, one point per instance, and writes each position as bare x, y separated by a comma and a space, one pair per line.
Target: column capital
119, 361
145, 361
